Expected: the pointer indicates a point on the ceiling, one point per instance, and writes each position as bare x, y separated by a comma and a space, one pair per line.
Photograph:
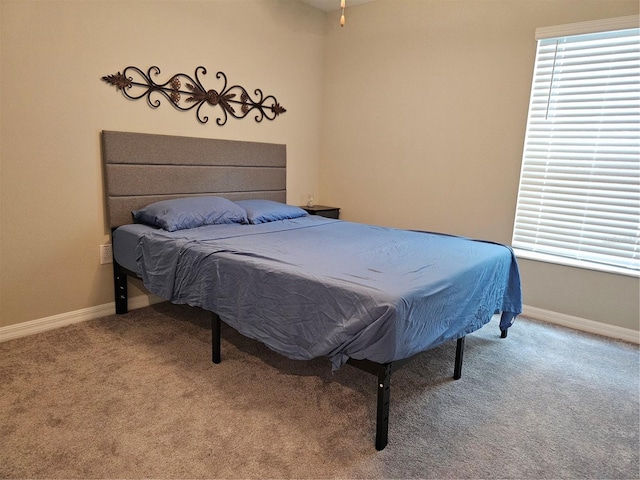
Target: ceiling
330, 5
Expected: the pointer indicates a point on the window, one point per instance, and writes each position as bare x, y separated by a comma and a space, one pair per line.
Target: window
579, 194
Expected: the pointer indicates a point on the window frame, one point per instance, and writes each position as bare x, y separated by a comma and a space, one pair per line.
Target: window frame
606, 25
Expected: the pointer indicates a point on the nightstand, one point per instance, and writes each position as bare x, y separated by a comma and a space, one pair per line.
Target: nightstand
323, 211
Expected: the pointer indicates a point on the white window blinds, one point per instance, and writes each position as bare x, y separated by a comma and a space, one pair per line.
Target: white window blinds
579, 194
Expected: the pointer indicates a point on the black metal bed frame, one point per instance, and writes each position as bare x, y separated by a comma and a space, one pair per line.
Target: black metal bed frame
382, 370
132, 180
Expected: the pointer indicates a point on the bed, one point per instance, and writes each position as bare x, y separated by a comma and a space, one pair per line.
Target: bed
305, 286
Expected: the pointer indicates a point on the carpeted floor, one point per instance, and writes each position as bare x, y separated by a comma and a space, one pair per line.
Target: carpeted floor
137, 396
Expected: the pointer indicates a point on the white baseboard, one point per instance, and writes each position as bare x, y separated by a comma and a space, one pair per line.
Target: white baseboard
49, 323
55, 321
582, 324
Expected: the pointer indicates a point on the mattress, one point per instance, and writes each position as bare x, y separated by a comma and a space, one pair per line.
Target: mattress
312, 286
125, 240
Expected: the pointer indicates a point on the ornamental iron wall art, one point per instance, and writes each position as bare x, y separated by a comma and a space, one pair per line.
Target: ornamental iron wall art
135, 84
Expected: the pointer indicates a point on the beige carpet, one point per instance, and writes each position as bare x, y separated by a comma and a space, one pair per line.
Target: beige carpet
137, 396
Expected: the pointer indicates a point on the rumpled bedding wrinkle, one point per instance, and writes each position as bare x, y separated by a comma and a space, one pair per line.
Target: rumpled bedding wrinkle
312, 286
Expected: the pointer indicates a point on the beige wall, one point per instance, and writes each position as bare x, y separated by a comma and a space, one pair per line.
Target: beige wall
54, 104
425, 108
412, 115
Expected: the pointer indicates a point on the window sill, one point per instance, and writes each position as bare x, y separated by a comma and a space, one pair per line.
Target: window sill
570, 262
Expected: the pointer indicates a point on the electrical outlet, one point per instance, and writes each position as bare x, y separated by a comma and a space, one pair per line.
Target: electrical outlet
106, 255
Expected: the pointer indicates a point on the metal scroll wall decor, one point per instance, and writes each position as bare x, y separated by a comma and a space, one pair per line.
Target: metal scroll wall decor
186, 93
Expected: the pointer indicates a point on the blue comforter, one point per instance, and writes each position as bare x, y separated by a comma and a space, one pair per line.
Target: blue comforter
312, 286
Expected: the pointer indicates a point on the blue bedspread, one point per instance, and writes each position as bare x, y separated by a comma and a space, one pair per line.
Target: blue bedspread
312, 286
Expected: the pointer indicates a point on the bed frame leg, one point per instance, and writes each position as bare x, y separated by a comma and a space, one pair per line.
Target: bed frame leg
215, 338
382, 421
384, 371
120, 289
457, 372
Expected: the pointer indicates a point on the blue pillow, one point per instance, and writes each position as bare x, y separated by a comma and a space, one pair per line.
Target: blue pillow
190, 212
263, 211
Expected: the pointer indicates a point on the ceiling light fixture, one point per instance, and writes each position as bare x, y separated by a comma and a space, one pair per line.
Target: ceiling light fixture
342, 2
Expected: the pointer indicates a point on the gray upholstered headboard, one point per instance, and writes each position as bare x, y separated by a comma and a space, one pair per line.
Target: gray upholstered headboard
143, 168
